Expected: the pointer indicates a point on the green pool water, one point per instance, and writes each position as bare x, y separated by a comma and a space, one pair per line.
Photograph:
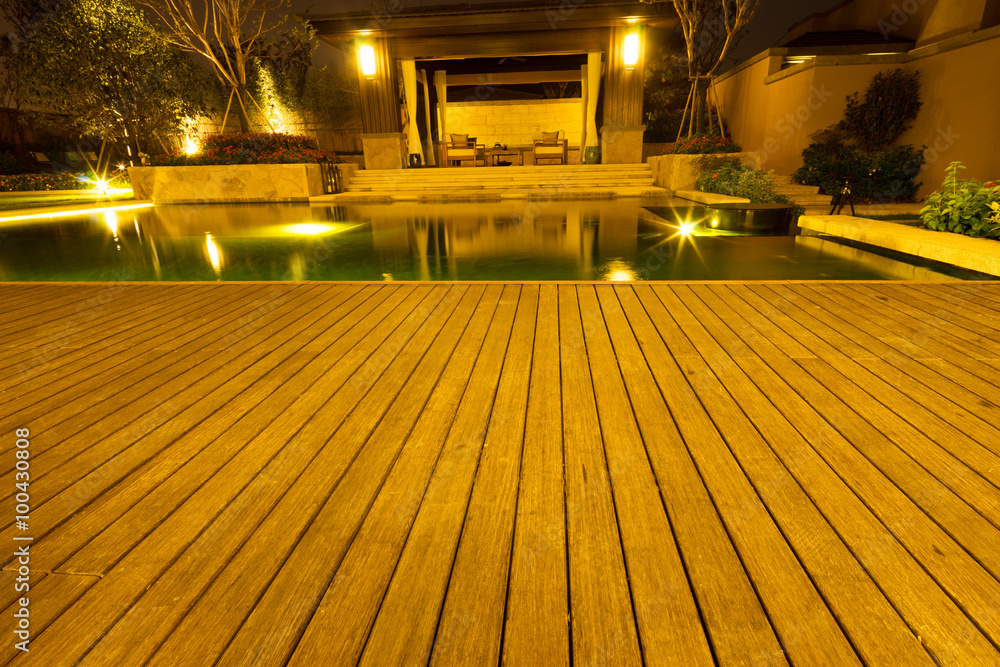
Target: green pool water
518, 240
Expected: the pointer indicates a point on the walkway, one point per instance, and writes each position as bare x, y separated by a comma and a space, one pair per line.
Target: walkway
327, 474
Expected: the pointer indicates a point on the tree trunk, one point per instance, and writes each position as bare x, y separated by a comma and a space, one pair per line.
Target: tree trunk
241, 111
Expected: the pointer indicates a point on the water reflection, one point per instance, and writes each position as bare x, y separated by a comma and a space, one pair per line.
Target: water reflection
612, 240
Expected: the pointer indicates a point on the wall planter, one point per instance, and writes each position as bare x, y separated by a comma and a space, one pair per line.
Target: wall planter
230, 183
680, 172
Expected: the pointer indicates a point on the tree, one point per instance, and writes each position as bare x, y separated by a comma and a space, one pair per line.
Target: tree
101, 64
225, 32
711, 29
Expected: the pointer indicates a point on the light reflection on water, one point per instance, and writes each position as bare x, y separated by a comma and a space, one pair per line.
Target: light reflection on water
518, 240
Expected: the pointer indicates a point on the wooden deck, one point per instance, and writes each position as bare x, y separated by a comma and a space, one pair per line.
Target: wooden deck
533, 474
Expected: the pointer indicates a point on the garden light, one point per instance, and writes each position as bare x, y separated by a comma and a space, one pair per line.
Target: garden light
630, 50
190, 146
366, 56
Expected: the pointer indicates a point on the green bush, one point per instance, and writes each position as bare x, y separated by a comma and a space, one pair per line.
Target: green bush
703, 144
891, 103
732, 178
259, 148
963, 206
859, 146
63, 180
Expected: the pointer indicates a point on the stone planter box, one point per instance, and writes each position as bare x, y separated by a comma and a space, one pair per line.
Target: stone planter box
230, 183
680, 172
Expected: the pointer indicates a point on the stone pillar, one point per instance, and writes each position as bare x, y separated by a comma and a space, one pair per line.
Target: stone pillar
621, 144
384, 150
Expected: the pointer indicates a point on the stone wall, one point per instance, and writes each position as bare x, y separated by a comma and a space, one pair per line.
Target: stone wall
228, 183
516, 122
681, 172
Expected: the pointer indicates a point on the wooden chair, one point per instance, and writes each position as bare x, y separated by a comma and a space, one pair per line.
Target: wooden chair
552, 146
461, 148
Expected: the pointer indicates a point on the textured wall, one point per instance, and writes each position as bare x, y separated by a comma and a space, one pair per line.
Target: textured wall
516, 123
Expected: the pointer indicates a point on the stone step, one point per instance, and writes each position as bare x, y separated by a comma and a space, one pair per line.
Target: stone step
794, 189
473, 187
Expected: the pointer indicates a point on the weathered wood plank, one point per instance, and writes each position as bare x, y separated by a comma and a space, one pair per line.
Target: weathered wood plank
536, 631
351, 602
602, 617
237, 610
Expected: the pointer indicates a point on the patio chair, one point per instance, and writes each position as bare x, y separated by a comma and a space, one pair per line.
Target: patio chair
552, 146
461, 148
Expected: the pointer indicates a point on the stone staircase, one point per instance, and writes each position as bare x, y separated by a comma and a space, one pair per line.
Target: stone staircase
803, 195
532, 181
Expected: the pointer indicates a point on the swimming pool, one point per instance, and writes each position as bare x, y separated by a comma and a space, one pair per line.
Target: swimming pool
518, 240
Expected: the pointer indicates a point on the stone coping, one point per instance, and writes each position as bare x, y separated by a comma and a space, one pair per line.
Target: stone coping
982, 255
709, 198
15, 217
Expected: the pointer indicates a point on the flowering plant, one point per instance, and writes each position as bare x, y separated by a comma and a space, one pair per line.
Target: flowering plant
259, 148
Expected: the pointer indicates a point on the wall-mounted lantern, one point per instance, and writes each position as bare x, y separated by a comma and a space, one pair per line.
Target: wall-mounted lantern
630, 50
366, 58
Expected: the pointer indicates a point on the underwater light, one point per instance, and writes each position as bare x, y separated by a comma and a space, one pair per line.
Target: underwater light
715, 222
309, 229
687, 228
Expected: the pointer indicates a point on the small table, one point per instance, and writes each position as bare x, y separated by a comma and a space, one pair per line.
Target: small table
496, 154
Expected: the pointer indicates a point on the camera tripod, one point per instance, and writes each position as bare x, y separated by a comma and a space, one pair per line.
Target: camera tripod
843, 198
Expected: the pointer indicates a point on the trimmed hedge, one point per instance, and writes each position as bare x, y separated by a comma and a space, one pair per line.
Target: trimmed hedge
257, 148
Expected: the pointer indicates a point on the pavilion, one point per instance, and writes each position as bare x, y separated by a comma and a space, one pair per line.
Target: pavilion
593, 48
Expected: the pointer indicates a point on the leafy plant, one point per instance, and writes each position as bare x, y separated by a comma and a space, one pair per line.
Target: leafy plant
891, 104
703, 144
258, 148
732, 178
963, 206
62, 180
886, 175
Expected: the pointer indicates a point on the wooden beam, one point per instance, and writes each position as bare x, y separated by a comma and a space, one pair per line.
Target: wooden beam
514, 78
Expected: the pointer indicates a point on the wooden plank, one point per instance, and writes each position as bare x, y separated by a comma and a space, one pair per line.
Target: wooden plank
472, 617
969, 316
49, 596
339, 628
404, 630
602, 619
44, 305
213, 396
834, 309
962, 577
258, 582
338, 431
929, 612
929, 412
737, 625
536, 631
245, 441
250, 482
874, 627
670, 628
87, 428
984, 539
807, 629
859, 344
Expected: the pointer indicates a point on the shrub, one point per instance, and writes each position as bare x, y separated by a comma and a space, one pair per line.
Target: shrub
891, 103
63, 180
260, 148
702, 145
963, 206
886, 175
737, 180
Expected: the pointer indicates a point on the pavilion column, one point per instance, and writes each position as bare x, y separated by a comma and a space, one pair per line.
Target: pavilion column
621, 135
593, 90
441, 84
382, 140
410, 91
427, 117
583, 109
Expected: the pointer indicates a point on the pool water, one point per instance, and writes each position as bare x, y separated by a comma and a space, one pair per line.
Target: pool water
518, 240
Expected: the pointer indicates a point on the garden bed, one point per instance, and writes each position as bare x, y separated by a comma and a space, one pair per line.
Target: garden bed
681, 172
229, 183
